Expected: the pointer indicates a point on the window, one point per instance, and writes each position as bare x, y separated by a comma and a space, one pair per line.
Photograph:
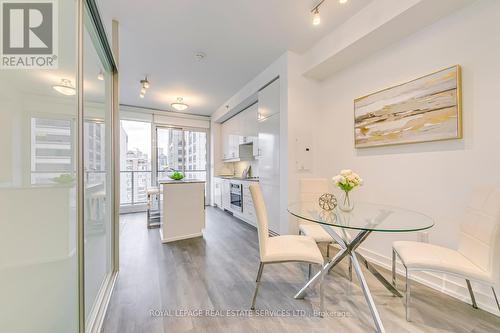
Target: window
135, 161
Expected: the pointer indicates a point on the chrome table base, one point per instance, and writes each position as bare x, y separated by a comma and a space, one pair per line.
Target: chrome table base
347, 249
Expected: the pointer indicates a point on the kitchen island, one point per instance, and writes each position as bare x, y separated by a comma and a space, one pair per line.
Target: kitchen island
182, 212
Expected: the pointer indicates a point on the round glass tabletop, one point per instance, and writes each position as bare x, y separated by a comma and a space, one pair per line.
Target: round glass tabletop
364, 216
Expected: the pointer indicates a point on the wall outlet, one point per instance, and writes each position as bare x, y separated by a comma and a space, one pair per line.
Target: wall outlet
423, 237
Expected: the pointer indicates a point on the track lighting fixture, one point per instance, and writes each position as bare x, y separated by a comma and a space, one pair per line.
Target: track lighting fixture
316, 17
315, 11
144, 86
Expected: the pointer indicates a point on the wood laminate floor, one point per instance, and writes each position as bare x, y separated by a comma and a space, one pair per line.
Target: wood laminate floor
206, 284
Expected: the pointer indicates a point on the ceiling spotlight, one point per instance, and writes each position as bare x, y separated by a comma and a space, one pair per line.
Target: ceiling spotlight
179, 105
144, 86
316, 17
145, 83
100, 76
342, 1
65, 87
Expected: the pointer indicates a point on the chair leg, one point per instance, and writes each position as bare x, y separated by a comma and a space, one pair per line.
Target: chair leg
473, 299
407, 295
394, 268
328, 250
257, 283
309, 272
496, 299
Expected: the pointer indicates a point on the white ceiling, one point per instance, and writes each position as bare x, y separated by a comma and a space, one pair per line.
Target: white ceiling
239, 37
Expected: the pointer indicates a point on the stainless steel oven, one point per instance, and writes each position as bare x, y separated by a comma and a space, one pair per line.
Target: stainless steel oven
236, 193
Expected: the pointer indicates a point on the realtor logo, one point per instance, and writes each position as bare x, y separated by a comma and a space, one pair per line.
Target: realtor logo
29, 34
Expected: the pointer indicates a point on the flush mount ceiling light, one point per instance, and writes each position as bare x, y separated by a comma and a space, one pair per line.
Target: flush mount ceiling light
144, 87
65, 87
342, 1
179, 105
100, 76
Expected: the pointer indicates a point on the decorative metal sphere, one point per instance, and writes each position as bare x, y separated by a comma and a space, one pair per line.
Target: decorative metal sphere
327, 201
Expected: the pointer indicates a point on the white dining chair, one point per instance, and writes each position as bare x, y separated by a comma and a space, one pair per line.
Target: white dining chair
310, 189
478, 254
280, 249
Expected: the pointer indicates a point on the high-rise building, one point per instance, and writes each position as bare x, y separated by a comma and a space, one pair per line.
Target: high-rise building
52, 149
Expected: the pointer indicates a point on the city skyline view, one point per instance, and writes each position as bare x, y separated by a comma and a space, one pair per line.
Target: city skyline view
180, 150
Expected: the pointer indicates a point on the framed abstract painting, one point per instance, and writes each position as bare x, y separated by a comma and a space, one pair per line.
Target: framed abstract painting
425, 109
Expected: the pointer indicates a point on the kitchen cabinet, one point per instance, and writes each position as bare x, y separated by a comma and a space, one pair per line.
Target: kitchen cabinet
248, 209
218, 192
269, 148
240, 129
269, 100
234, 145
255, 147
248, 214
224, 141
226, 198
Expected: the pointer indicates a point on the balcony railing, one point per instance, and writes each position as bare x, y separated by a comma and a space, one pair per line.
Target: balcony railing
134, 186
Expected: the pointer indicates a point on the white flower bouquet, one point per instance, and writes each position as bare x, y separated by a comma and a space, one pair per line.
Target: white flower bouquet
347, 180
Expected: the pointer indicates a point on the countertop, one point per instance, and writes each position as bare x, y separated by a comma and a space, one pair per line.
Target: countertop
182, 181
252, 179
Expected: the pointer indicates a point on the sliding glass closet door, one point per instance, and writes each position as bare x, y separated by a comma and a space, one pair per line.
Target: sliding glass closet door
56, 198
38, 190
97, 163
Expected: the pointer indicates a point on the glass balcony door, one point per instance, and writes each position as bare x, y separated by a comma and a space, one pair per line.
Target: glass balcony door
195, 154
135, 164
183, 150
170, 151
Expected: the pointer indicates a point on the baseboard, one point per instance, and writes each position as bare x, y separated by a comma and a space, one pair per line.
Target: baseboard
173, 239
438, 282
127, 209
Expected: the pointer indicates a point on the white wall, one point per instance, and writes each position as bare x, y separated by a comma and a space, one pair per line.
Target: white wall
302, 114
434, 178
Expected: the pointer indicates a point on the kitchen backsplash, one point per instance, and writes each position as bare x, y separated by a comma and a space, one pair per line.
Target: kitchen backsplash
239, 167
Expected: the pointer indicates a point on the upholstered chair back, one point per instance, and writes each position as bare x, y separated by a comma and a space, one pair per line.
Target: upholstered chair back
480, 230
312, 188
262, 224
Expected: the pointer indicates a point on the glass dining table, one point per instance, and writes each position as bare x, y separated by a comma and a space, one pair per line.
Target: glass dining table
349, 230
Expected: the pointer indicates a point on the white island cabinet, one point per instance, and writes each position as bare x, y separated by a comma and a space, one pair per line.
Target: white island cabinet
182, 209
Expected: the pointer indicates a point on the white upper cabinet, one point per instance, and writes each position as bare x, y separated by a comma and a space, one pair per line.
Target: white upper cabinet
240, 129
269, 100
